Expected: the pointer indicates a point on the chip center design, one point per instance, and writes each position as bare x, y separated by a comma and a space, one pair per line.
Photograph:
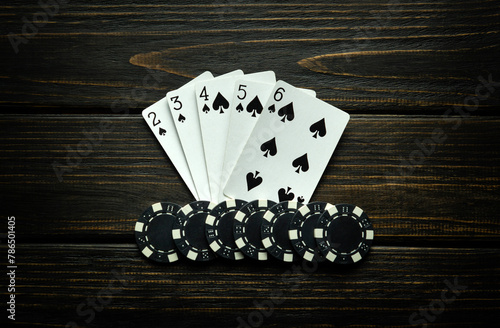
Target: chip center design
344, 234
195, 227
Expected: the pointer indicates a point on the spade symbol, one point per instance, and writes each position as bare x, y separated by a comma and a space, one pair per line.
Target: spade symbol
318, 128
181, 118
269, 147
286, 112
285, 195
301, 163
239, 108
272, 109
254, 106
163, 132
252, 180
220, 103
206, 109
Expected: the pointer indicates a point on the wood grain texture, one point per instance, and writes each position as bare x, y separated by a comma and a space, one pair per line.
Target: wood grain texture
363, 56
449, 198
386, 289
407, 72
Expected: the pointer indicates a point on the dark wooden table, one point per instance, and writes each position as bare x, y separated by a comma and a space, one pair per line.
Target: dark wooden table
421, 155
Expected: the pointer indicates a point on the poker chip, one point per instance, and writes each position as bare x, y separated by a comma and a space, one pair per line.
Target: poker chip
247, 228
344, 234
219, 229
153, 232
301, 230
274, 231
188, 231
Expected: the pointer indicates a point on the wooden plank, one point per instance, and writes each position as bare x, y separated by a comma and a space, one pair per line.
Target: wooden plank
365, 56
57, 284
450, 198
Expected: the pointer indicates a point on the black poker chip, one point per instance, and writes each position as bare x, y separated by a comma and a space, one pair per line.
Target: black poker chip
247, 228
153, 232
301, 231
344, 234
274, 230
188, 231
219, 229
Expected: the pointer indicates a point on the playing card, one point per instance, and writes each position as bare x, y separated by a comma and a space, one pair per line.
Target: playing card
161, 123
308, 91
288, 149
213, 102
215, 126
250, 96
182, 105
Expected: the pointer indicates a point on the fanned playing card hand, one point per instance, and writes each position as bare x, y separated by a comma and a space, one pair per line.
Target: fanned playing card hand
290, 146
247, 136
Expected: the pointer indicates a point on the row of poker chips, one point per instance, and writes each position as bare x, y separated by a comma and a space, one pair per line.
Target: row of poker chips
235, 229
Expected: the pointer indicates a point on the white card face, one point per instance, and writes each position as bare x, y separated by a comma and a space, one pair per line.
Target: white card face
288, 149
308, 91
250, 97
182, 105
266, 76
161, 123
213, 102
